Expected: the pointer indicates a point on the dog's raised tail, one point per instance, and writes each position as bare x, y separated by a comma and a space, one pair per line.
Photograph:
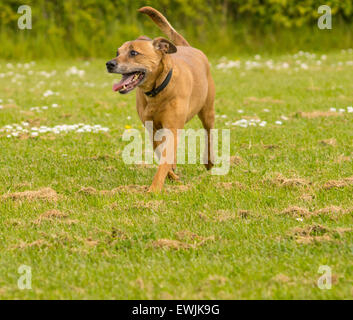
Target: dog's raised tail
165, 26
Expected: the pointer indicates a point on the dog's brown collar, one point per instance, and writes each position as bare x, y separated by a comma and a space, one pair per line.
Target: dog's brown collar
157, 90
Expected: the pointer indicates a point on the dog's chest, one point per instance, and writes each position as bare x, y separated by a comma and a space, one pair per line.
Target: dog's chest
151, 112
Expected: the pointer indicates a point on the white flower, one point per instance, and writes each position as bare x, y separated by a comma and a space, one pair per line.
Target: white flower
74, 71
333, 110
279, 122
240, 111
350, 109
48, 93
266, 110
299, 219
341, 110
34, 134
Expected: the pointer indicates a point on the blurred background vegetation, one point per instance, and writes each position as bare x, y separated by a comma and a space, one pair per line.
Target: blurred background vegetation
95, 28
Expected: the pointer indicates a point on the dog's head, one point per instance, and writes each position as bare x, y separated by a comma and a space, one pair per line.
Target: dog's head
139, 61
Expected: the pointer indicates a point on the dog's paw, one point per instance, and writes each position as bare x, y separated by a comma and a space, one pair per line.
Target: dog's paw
154, 189
173, 176
209, 165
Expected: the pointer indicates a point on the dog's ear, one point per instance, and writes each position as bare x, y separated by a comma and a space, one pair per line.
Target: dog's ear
144, 38
164, 45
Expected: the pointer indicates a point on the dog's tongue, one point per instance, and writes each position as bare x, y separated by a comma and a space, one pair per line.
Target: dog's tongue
124, 81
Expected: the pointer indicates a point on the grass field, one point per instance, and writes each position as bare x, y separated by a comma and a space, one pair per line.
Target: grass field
261, 231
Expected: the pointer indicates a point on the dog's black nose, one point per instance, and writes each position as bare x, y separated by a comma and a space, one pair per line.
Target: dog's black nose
111, 64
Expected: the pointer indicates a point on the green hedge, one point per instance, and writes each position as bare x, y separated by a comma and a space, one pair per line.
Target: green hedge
84, 27
95, 14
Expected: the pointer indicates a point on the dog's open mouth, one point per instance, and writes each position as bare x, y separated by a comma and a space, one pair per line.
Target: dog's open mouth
129, 82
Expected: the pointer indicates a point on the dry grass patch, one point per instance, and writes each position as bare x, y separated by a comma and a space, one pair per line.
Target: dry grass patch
310, 234
42, 194
318, 114
332, 211
296, 212
132, 189
182, 243
51, 215
307, 197
235, 160
329, 142
270, 146
316, 233
281, 181
281, 278
34, 244
342, 158
220, 280
338, 183
186, 235
170, 244
90, 242
88, 190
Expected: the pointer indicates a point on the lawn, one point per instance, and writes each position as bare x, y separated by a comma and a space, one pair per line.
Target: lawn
260, 232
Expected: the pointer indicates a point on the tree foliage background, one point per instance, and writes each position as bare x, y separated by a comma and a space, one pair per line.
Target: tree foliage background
90, 27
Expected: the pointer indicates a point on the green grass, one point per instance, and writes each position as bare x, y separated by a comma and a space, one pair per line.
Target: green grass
107, 251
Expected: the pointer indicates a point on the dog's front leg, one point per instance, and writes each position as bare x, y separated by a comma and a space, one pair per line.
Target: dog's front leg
167, 160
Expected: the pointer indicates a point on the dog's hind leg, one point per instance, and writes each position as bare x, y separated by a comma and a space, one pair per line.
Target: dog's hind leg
207, 117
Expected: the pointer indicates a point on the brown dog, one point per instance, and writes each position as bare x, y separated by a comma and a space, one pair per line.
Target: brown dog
173, 82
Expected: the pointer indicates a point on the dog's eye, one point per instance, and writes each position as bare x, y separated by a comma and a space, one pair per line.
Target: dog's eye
117, 53
133, 53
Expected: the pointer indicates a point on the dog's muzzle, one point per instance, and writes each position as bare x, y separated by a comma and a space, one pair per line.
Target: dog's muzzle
111, 65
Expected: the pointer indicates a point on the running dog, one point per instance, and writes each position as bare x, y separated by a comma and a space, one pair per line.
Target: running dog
173, 83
